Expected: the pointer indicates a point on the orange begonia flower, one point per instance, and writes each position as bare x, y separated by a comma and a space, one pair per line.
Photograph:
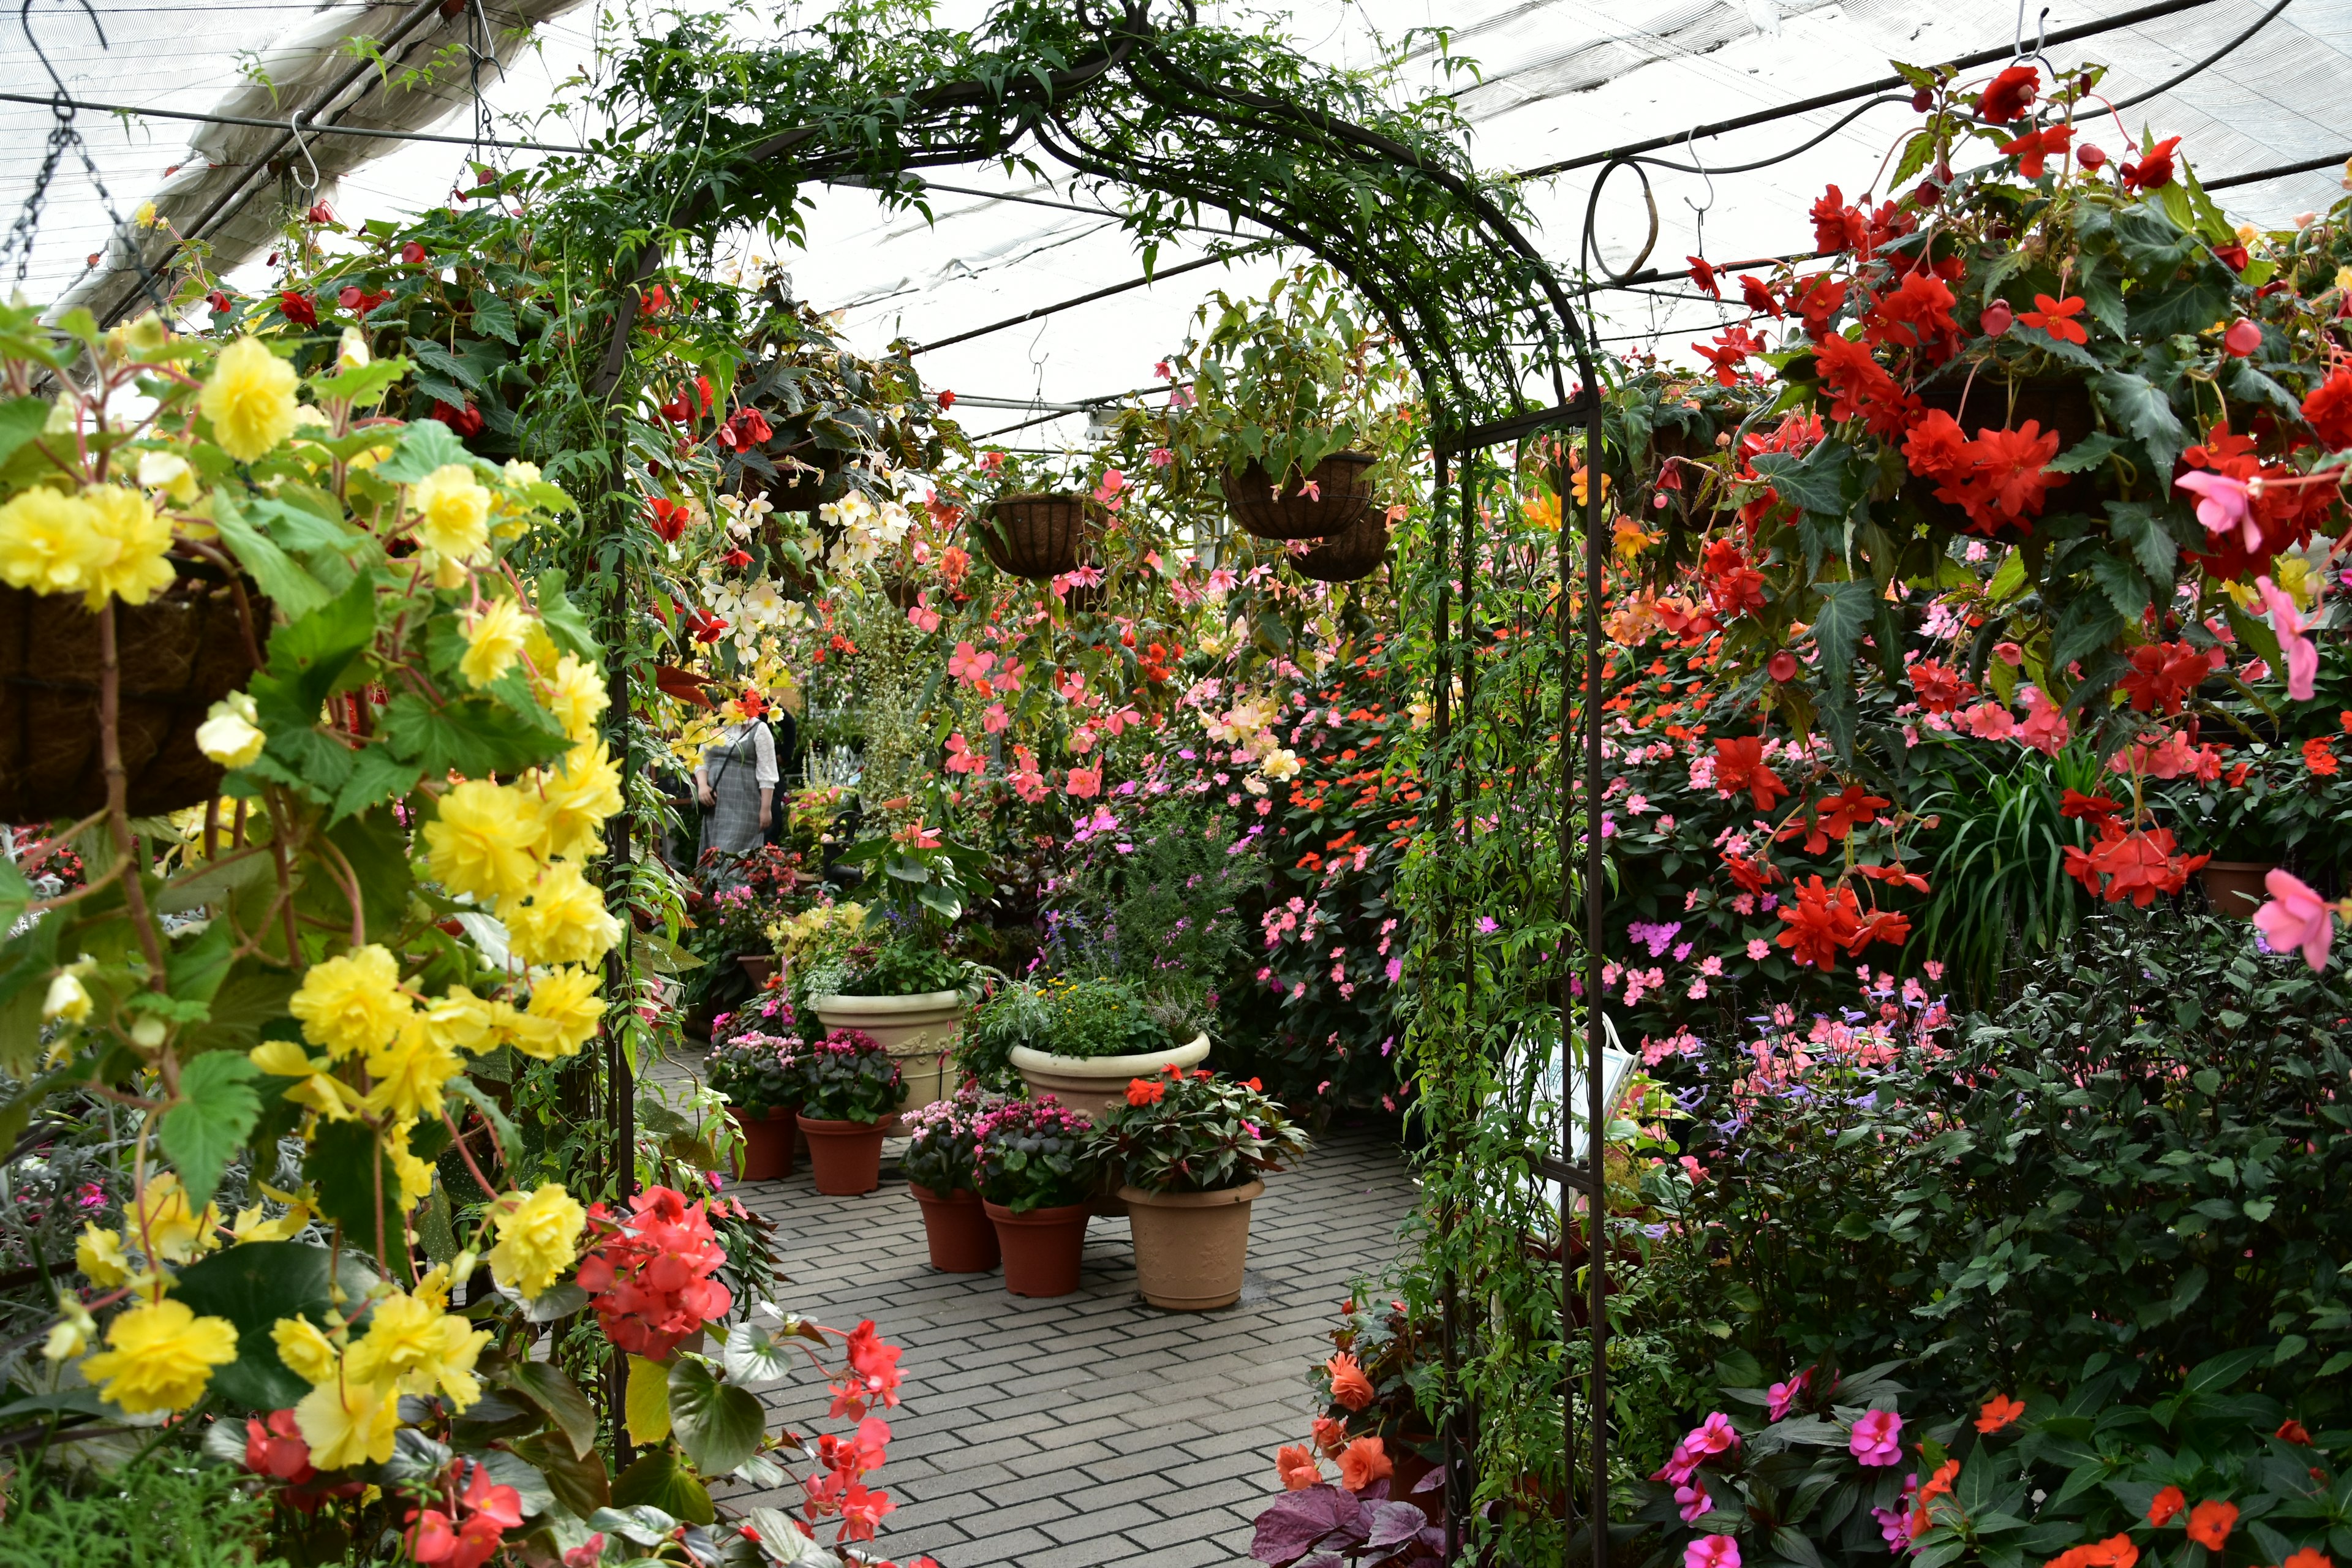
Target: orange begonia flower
1362, 1462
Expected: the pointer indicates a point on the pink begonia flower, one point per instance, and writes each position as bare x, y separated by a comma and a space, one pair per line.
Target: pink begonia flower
996, 720
1396, 970
2225, 504
921, 616
966, 663
1989, 722
1712, 1551
1877, 1438
2296, 917
1084, 783
961, 758
1716, 1435
2045, 727
1108, 492
2301, 652
1160, 457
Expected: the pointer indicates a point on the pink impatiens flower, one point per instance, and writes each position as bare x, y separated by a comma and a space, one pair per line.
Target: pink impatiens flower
1716, 1435
1877, 1438
1781, 1397
1693, 1501
1712, 1551
2224, 504
2296, 917
2301, 652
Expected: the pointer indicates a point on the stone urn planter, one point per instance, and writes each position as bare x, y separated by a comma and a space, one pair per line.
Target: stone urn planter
769, 1142
1341, 496
962, 1238
2235, 886
921, 1033
1041, 1248
1191, 1247
845, 1157
1094, 1084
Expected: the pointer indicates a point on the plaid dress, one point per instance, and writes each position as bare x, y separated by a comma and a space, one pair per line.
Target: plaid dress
733, 824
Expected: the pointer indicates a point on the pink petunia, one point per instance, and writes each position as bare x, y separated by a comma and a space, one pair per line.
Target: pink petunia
2296, 917
2301, 652
2224, 505
1877, 1438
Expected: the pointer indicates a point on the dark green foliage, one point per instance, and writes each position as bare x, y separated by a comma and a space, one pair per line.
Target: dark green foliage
158, 1513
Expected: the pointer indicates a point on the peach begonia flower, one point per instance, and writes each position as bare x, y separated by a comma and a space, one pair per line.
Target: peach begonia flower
1330, 1435
1296, 1464
1362, 1462
1350, 1386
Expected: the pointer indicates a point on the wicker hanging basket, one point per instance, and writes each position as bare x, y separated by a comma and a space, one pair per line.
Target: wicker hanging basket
1345, 557
1038, 536
178, 654
1342, 495
800, 489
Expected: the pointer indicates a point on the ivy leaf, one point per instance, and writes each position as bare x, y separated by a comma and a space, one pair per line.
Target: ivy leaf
425, 446
216, 1109
1847, 609
15, 894
2146, 412
719, 1425
195, 969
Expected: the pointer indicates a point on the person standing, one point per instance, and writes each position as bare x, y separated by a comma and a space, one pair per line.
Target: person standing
736, 780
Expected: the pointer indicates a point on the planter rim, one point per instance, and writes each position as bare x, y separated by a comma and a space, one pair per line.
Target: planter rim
1060, 1214
1191, 1053
820, 1124
1246, 1192
960, 1197
2217, 865
912, 1002
773, 1113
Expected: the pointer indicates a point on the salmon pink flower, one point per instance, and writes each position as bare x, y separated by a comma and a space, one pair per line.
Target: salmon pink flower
2296, 918
1350, 1386
2210, 1521
1364, 1461
1877, 1438
1296, 1466
2224, 506
1330, 1435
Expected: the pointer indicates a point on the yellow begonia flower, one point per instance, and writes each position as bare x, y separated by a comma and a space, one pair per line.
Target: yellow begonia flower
162, 1221
352, 1004
538, 1238
493, 642
249, 400
565, 921
461, 1020
453, 513
409, 1070
49, 543
414, 1175
306, 1353
168, 472
67, 998
249, 1225
70, 1336
330, 1096
351, 353
418, 1349
573, 800
348, 1423
130, 561
562, 1016
480, 841
576, 696
98, 1255
160, 1356
229, 734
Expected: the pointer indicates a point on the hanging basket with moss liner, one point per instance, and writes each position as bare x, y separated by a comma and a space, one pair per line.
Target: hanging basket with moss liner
2057, 402
178, 654
805, 489
1333, 499
1037, 535
1345, 557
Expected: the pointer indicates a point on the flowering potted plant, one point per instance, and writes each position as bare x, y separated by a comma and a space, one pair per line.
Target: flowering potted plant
1082, 1040
942, 1169
1039, 518
1192, 1148
760, 1073
1036, 1177
848, 1084
742, 895
891, 975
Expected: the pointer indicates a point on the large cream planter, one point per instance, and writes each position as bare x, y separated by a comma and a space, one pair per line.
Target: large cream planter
1095, 1084
921, 1033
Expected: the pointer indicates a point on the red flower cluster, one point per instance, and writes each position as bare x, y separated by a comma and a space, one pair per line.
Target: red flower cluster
667, 518
1825, 921
690, 404
466, 421
1999, 479
2136, 865
840, 1488
748, 429
1860, 387
1733, 587
648, 1277
1917, 315
1940, 690
1739, 765
873, 1376
2284, 515
488, 1512
2163, 674
2329, 410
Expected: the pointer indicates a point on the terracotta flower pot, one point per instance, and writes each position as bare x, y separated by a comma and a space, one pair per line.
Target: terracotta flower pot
768, 1145
1343, 494
2236, 887
1191, 1247
760, 966
962, 1236
1041, 1248
1093, 1085
1037, 536
845, 1157
1345, 557
921, 1033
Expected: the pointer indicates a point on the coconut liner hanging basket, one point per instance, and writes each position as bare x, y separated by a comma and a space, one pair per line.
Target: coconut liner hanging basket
1345, 557
1038, 535
178, 654
1340, 498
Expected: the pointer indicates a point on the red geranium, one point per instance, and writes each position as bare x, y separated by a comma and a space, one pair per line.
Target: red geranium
1815, 300
1851, 808
1836, 226
747, 429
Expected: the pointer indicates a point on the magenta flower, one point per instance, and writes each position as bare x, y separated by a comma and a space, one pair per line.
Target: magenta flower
2296, 917
1694, 1501
1678, 1466
1716, 1435
1780, 1396
1712, 1551
2224, 504
2301, 652
1877, 1438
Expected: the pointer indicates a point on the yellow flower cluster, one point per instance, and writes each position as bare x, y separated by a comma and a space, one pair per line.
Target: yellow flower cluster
249, 400
796, 932
106, 541
159, 1356
411, 1345
539, 1237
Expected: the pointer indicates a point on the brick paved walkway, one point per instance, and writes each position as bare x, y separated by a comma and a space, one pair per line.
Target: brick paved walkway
1091, 1429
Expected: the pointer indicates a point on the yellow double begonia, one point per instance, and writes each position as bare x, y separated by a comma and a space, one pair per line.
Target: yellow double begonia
576, 694
561, 1017
409, 1069
538, 1238
231, 733
160, 1356
564, 921
98, 1255
493, 641
130, 559
330, 1096
171, 1230
47, 543
353, 1003
348, 1423
461, 1020
573, 800
453, 513
418, 1349
480, 843
249, 399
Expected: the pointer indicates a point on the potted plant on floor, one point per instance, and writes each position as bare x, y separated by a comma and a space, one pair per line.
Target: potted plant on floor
1037, 1176
760, 1073
942, 1168
890, 975
848, 1084
1192, 1148
1082, 1040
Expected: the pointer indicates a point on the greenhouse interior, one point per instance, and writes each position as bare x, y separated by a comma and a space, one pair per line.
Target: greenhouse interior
922, 784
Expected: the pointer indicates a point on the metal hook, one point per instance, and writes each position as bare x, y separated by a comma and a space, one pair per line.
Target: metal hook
1699, 212
25, 21
2041, 37
294, 127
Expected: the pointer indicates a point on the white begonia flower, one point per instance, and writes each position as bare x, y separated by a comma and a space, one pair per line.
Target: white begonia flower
231, 733
1279, 763
351, 353
67, 998
761, 603
168, 472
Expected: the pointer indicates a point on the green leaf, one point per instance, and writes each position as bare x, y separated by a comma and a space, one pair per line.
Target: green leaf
2191, 305
253, 1286
362, 385
1816, 482
2008, 578
645, 1403
2123, 584
2152, 544
2089, 623
468, 736
563, 619
432, 357
658, 1480
2243, 382
194, 968
719, 1425
494, 316
292, 588
2143, 411
546, 1387
215, 1111
435, 1226
376, 777
2085, 455
579, 1481
510, 1470
357, 1187
509, 1141
15, 894
753, 1355
425, 444
1847, 609
21, 419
